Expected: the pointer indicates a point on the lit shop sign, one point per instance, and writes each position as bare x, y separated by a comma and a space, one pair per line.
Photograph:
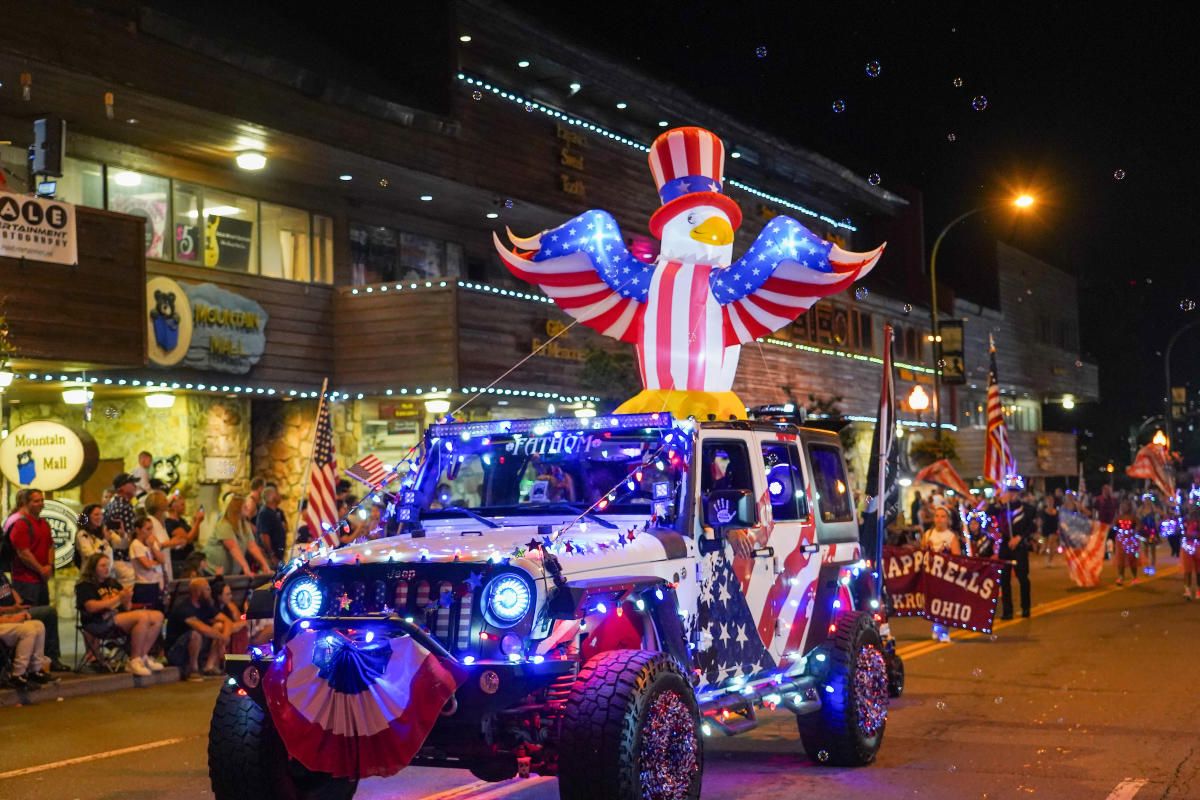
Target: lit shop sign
62, 518
48, 455
37, 229
203, 327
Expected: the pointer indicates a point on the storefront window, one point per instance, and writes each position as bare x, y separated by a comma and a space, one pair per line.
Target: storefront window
145, 196
382, 255
374, 251
322, 264
285, 242
215, 228
82, 183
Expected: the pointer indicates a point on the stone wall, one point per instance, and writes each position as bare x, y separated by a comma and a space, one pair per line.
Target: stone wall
196, 426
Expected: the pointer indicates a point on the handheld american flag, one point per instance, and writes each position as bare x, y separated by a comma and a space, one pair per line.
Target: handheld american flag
998, 461
321, 514
371, 471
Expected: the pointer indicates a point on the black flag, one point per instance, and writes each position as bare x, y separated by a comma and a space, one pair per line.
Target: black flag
881, 485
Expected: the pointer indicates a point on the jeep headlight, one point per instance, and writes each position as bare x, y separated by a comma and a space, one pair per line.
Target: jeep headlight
303, 598
508, 599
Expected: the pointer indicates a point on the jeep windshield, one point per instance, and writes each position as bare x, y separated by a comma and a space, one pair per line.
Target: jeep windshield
619, 470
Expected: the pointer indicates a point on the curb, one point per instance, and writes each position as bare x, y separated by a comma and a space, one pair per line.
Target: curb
83, 685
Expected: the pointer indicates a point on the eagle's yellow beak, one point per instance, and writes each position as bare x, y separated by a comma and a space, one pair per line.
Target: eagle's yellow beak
714, 231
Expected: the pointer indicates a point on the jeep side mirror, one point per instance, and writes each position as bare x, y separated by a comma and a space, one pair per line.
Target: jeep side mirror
730, 508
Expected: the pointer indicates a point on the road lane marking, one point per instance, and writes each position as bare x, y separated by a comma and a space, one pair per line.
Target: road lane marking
910, 651
137, 748
488, 791
1127, 788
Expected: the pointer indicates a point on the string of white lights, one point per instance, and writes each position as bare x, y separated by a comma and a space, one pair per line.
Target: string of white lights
534, 105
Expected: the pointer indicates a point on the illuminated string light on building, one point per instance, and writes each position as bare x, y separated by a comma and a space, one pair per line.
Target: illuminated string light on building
533, 105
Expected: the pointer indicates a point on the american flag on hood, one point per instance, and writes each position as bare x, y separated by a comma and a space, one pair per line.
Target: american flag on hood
321, 513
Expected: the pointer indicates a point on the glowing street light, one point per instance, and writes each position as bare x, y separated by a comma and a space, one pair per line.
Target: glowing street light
1160, 439
918, 400
1024, 201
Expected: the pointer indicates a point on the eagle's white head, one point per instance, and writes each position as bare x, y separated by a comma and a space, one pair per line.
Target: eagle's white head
699, 235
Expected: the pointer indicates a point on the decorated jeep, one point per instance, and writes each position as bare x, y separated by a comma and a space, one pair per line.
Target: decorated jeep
583, 597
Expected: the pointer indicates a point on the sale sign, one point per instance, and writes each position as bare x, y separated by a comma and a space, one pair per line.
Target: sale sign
950, 590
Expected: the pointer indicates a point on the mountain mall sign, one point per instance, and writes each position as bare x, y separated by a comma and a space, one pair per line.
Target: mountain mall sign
203, 327
47, 455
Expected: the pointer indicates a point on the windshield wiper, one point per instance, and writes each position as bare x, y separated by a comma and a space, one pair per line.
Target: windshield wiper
577, 508
466, 512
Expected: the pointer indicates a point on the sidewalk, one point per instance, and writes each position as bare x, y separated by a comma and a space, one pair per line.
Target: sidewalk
1047, 585
76, 685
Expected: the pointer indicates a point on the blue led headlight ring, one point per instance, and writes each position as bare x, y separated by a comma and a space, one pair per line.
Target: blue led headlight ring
507, 600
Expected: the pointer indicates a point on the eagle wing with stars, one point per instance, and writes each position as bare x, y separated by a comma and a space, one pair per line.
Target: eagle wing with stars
785, 271
584, 266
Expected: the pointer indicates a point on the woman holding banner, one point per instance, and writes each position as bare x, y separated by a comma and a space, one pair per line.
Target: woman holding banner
941, 539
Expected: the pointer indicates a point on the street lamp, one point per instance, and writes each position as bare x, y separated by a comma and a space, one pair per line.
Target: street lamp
1167, 370
918, 400
1021, 202
1159, 439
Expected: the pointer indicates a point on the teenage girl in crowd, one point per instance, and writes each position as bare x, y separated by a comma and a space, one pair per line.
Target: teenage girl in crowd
941, 539
1148, 524
1128, 545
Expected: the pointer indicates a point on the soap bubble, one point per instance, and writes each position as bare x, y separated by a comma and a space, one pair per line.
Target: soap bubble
1119, 175
839, 106
1078, 363
940, 705
999, 700
822, 756
941, 363
476, 95
994, 637
761, 51
1187, 304
951, 769
907, 308
979, 102
874, 179
1125, 613
861, 293
383, 183
112, 412
977, 672
958, 82
951, 137
873, 69
508, 203
529, 108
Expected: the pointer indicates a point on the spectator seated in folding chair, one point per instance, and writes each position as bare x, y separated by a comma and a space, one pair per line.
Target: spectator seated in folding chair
105, 612
28, 667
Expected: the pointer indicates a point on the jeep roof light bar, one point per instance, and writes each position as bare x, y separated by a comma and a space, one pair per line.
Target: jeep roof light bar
540, 427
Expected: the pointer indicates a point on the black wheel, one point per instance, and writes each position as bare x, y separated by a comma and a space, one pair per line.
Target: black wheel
848, 729
895, 674
631, 731
246, 758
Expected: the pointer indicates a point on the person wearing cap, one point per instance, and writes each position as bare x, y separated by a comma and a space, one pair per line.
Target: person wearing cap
119, 517
1016, 523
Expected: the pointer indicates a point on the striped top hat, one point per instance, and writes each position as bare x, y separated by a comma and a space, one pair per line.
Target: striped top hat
688, 165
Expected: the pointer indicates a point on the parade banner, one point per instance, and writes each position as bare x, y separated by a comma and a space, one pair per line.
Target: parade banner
950, 590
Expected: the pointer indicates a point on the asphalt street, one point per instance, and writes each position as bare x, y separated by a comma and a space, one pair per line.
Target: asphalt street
1094, 697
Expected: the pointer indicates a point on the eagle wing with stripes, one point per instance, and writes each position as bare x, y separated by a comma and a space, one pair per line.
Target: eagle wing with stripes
785, 271
584, 266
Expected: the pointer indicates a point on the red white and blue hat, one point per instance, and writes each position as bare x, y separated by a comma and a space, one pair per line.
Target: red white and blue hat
688, 165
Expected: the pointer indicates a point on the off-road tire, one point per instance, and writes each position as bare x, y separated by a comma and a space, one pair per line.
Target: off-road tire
246, 758
895, 674
833, 735
600, 757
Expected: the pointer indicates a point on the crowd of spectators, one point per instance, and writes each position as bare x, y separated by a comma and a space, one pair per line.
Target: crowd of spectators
145, 577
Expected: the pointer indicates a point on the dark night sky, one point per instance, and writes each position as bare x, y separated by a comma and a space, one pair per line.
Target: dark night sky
1073, 95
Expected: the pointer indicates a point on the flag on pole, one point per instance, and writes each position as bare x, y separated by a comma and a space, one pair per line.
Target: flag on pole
942, 473
321, 514
1082, 541
998, 461
371, 471
884, 463
1151, 464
